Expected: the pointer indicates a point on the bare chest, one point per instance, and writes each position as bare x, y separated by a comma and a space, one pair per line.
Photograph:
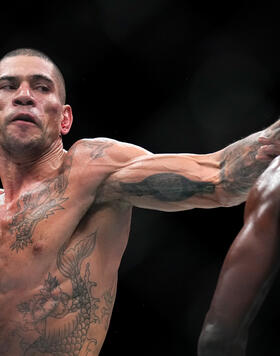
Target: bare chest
53, 272
31, 231
26, 251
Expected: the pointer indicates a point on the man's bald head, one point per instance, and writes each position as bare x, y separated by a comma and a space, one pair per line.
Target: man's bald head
35, 53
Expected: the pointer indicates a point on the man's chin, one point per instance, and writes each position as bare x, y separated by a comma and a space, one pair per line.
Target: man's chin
16, 146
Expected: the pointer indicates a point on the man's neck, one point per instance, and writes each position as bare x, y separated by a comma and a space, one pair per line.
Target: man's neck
18, 176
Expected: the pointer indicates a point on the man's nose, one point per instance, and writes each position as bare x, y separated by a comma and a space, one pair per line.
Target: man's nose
23, 97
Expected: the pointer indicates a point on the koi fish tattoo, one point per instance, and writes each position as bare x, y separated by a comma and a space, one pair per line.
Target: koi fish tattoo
62, 321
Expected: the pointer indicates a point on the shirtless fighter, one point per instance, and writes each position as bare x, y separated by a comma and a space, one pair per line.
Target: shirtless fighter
248, 271
65, 216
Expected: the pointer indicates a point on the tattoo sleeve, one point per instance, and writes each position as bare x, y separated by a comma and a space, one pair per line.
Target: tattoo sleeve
238, 170
239, 166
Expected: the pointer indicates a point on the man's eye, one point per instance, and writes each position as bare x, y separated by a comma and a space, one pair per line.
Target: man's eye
42, 88
8, 87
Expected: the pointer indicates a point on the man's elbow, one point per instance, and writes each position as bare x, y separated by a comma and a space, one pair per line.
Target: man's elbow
212, 342
226, 201
215, 341
228, 198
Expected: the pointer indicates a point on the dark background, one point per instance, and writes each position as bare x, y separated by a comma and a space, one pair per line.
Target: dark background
171, 76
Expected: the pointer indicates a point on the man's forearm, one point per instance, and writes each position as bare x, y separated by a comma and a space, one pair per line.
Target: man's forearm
239, 166
243, 161
173, 182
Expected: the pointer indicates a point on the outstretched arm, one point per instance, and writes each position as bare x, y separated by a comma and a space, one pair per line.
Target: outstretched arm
183, 181
248, 271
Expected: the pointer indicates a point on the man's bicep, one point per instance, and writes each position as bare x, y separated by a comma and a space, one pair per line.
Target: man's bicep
166, 182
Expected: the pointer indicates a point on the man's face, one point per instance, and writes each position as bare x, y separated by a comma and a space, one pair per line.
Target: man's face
30, 108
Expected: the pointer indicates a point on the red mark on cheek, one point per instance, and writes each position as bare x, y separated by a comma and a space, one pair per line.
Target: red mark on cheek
2, 104
53, 108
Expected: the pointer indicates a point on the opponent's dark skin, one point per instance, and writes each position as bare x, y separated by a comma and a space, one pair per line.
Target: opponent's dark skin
248, 271
65, 216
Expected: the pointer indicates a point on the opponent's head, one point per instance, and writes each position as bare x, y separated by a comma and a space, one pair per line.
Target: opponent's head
33, 113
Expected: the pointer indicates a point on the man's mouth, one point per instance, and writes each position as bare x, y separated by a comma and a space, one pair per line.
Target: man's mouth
24, 117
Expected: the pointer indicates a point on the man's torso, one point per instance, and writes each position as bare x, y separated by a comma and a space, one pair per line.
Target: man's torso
59, 255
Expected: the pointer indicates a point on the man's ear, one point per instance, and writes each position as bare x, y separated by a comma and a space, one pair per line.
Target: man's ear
67, 119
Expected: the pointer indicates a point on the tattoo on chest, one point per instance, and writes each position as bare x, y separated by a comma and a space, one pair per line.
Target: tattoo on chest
109, 298
38, 205
61, 320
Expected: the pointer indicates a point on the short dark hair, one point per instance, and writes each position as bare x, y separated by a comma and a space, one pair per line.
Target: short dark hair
35, 53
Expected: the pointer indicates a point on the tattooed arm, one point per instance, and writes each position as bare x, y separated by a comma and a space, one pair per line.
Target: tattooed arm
184, 181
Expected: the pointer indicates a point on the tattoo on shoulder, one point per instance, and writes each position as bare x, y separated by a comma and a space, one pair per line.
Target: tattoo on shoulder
240, 168
60, 320
169, 187
97, 147
37, 205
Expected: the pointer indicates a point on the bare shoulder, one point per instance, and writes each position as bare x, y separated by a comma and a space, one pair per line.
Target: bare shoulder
269, 181
92, 148
265, 194
106, 149
95, 160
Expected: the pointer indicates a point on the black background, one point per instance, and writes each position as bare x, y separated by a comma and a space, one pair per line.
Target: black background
171, 76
